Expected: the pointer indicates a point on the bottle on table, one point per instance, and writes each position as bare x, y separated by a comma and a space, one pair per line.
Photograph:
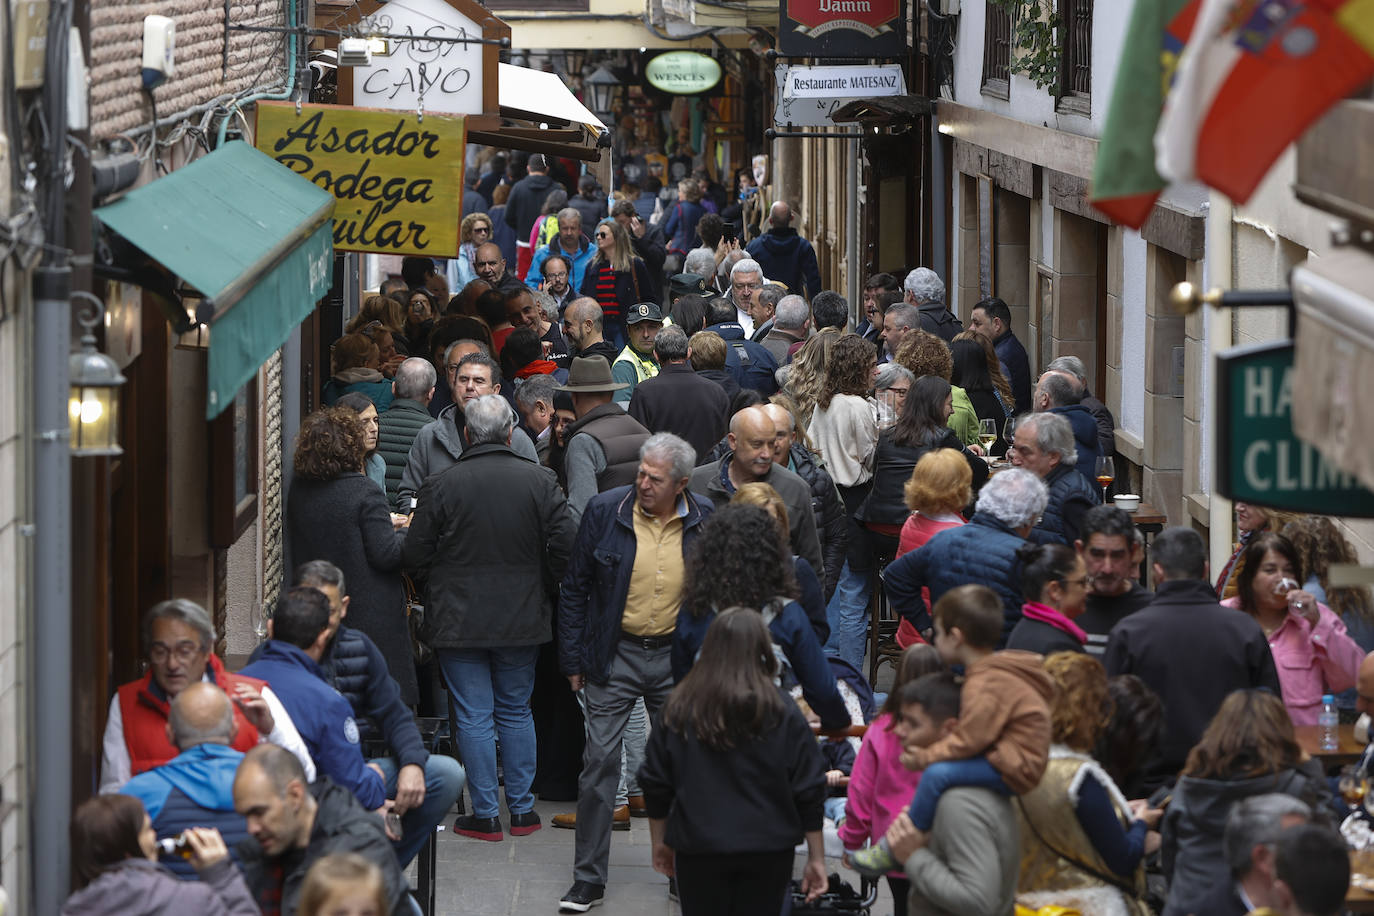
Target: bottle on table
1328, 721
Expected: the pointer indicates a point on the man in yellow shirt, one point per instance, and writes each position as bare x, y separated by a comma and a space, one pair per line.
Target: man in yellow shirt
617, 612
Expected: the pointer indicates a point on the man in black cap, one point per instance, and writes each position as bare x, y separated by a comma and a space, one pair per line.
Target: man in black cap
636, 362
602, 449
680, 285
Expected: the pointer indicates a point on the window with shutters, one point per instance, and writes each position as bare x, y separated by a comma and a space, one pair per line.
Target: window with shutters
996, 50
1076, 61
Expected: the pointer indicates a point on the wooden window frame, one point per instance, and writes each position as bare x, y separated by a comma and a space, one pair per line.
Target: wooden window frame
996, 80
1075, 73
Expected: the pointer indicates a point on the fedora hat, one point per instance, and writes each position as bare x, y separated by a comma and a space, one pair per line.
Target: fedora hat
590, 374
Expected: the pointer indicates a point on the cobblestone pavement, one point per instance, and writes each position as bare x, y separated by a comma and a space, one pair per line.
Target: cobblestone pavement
529, 874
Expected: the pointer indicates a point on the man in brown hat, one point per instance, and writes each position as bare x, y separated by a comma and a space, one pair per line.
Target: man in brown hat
603, 444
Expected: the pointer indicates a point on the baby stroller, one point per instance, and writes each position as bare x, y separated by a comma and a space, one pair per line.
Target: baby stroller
839, 897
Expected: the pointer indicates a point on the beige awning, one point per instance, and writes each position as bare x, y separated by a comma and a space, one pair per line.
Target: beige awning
539, 114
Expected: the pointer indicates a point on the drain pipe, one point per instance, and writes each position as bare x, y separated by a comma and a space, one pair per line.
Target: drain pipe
50, 602
854, 249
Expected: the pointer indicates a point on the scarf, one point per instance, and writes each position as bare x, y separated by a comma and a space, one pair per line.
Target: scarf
1034, 610
537, 367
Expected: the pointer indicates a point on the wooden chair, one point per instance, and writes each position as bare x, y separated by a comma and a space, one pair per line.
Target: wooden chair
882, 627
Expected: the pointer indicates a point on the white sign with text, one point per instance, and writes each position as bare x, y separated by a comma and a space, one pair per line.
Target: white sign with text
448, 75
806, 96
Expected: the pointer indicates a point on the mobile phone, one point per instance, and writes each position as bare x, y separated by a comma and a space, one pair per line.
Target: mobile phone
393, 824
729, 232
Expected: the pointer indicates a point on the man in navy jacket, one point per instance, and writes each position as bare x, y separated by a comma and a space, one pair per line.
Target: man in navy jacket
299, 632
424, 785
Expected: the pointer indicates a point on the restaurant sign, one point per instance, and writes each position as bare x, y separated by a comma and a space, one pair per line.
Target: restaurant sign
842, 28
1259, 458
682, 72
397, 177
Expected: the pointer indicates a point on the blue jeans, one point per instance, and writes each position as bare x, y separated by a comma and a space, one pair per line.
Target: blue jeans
492, 687
975, 772
847, 614
444, 780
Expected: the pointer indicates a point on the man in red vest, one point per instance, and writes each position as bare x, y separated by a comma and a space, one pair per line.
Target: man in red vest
178, 636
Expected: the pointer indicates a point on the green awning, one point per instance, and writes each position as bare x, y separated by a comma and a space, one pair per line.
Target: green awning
252, 236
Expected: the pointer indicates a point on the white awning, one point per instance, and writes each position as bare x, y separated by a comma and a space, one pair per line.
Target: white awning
533, 95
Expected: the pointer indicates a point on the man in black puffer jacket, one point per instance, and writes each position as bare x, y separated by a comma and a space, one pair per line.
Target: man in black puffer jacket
1045, 446
825, 499
425, 786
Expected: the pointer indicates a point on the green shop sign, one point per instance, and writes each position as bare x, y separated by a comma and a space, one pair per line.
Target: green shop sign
1260, 459
682, 72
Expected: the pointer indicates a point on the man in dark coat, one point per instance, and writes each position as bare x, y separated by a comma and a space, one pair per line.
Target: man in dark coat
677, 400
983, 552
292, 824
399, 424
1112, 549
1252, 831
1044, 446
423, 786
504, 521
1058, 392
925, 290
750, 363
992, 319
785, 256
590, 200
1187, 648
831, 522
527, 199
1106, 423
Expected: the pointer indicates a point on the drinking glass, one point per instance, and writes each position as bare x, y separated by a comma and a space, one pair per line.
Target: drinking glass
987, 434
1353, 785
1105, 472
1009, 431
261, 614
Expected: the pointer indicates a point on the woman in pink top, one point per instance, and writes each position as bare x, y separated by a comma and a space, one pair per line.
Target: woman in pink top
1312, 651
937, 491
880, 788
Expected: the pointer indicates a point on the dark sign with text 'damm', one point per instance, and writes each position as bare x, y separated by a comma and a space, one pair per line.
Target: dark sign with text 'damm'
842, 28
1259, 458
397, 177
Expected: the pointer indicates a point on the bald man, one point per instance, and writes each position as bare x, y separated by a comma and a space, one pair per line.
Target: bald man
749, 460
826, 505
194, 788
582, 328
490, 267
785, 256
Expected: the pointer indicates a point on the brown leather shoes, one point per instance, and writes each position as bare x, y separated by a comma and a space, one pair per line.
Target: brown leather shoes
636, 806
620, 819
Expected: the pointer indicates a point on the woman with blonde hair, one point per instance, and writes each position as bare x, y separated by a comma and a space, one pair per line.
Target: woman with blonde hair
939, 488
1250, 521
343, 884
474, 230
1248, 749
616, 279
1083, 845
806, 374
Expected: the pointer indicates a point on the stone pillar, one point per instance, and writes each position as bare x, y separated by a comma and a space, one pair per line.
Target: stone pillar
1165, 433
1011, 260
1072, 322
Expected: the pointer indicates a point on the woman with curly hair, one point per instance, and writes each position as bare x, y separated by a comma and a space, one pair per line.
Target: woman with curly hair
374, 465
812, 597
1248, 749
1312, 651
1083, 845
739, 559
733, 779
334, 513
475, 229
925, 354
616, 279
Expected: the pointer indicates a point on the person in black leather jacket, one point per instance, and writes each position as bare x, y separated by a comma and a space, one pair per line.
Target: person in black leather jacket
425, 786
831, 525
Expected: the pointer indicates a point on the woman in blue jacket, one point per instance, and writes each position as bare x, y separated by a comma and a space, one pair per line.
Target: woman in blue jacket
739, 560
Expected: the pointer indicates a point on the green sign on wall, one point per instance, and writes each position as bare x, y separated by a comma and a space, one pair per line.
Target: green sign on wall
1260, 459
682, 72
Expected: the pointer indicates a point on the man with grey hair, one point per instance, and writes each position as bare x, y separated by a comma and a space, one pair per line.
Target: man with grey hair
1106, 423
490, 538
677, 400
569, 244
196, 787
746, 279
1245, 881
983, 552
791, 322
179, 639
399, 424
1044, 446
784, 255
1059, 393
438, 446
925, 290
617, 611
898, 321
702, 262
765, 308
534, 399
1188, 649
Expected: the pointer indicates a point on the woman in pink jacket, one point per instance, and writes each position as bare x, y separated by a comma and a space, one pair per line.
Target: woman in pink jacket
1312, 651
880, 788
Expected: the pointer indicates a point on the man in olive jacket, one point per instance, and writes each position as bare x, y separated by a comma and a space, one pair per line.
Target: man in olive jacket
399, 424
491, 539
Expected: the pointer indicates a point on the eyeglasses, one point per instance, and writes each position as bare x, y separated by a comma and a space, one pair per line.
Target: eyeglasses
561, 275
183, 651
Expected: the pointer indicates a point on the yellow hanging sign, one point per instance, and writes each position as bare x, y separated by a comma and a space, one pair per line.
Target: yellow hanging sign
397, 176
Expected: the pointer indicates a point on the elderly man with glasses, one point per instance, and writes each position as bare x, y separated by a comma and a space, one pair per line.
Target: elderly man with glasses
179, 639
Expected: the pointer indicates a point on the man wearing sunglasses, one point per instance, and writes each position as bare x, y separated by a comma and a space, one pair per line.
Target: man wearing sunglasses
179, 639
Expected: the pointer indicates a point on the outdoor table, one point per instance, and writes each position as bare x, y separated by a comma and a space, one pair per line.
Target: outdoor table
1348, 750
1360, 899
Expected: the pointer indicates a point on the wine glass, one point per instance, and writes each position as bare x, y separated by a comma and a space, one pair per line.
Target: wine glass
1105, 472
1353, 786
261, 614
1009, 431
987, 434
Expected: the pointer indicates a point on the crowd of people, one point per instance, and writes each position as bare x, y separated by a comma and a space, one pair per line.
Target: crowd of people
631, 525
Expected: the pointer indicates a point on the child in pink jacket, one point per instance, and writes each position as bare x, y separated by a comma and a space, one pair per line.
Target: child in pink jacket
880, 788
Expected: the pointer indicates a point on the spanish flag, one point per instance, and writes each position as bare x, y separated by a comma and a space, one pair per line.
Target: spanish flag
1125, 183
1254, 75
